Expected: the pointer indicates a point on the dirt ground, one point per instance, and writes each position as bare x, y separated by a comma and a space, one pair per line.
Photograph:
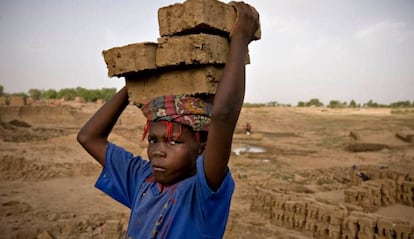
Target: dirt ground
47, 179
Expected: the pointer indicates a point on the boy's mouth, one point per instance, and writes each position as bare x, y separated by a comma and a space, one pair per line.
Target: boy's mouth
158, 169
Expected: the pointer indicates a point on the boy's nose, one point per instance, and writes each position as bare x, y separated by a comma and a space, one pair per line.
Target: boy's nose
158, 154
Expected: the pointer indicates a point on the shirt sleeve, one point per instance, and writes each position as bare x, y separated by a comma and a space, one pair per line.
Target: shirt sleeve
214, 205
122, 174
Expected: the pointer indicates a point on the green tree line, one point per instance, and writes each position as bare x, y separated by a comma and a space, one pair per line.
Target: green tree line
92, 95
353, 104
89, 95
315, 102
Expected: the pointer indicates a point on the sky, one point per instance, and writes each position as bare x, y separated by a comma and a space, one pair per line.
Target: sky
342, 50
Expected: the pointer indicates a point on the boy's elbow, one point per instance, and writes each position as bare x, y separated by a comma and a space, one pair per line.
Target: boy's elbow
79, 138
82, 137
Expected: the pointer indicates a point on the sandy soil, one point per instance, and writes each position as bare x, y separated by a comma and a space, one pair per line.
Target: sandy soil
47, 179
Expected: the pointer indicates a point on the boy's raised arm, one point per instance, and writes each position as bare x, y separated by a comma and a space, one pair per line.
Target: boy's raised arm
93, 136
229, 96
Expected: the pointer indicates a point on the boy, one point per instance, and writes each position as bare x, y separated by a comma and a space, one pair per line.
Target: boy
185, 189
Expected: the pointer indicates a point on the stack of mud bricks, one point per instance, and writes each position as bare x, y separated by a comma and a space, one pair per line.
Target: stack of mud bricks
324, 220
368, 195
316, 219
188, 58
263, 203
364, 226
384, 188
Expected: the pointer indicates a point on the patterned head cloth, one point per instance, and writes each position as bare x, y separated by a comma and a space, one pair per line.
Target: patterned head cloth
187, 110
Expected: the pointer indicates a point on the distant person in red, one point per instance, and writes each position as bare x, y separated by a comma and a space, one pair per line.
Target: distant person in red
248, 128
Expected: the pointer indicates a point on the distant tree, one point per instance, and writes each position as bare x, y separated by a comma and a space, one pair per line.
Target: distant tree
94, 95
67, 94
49, 94
314, 102
107, 93
272, 103
398, 104
35, 94
82, 92
372, 104
301, 104
1, 90
335, 104
352, 104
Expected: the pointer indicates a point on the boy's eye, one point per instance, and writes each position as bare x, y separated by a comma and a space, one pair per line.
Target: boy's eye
174, 142
152, 140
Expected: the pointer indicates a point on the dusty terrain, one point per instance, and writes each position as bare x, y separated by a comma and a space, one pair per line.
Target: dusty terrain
47, 180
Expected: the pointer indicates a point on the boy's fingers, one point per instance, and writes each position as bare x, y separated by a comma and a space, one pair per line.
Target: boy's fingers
254, 10
234, 5
244, 9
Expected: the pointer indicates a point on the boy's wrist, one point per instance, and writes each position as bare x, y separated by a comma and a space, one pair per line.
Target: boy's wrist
241, 38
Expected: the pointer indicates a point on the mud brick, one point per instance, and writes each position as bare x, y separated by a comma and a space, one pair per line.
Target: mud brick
313, 210
300, 208
339, 216
403, 230
130, 58
195, 16
325, 214
408, 199
191, 81
385, 227
367, 224
193, 49
349, 195
277, 217
290, 206
300, 221
280, 201
311, 227
389, 192
334, 232
269, 200
322, 230
408, 193
350, 227
346, 235
289, 220
408, 187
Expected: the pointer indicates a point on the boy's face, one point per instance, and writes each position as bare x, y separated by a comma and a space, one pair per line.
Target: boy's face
174, 158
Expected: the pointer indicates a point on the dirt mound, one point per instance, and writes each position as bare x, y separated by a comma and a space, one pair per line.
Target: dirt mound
12, 133
42, 115
18, 168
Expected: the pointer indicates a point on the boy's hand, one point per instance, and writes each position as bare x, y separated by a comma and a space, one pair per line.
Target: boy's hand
247, 21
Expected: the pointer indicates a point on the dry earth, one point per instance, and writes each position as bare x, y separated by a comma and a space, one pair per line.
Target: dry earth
47, 179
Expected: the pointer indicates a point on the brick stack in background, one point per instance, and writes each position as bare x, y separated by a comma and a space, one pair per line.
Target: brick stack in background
188, 58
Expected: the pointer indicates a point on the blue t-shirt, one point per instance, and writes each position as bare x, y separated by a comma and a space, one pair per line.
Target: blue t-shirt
187, 209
